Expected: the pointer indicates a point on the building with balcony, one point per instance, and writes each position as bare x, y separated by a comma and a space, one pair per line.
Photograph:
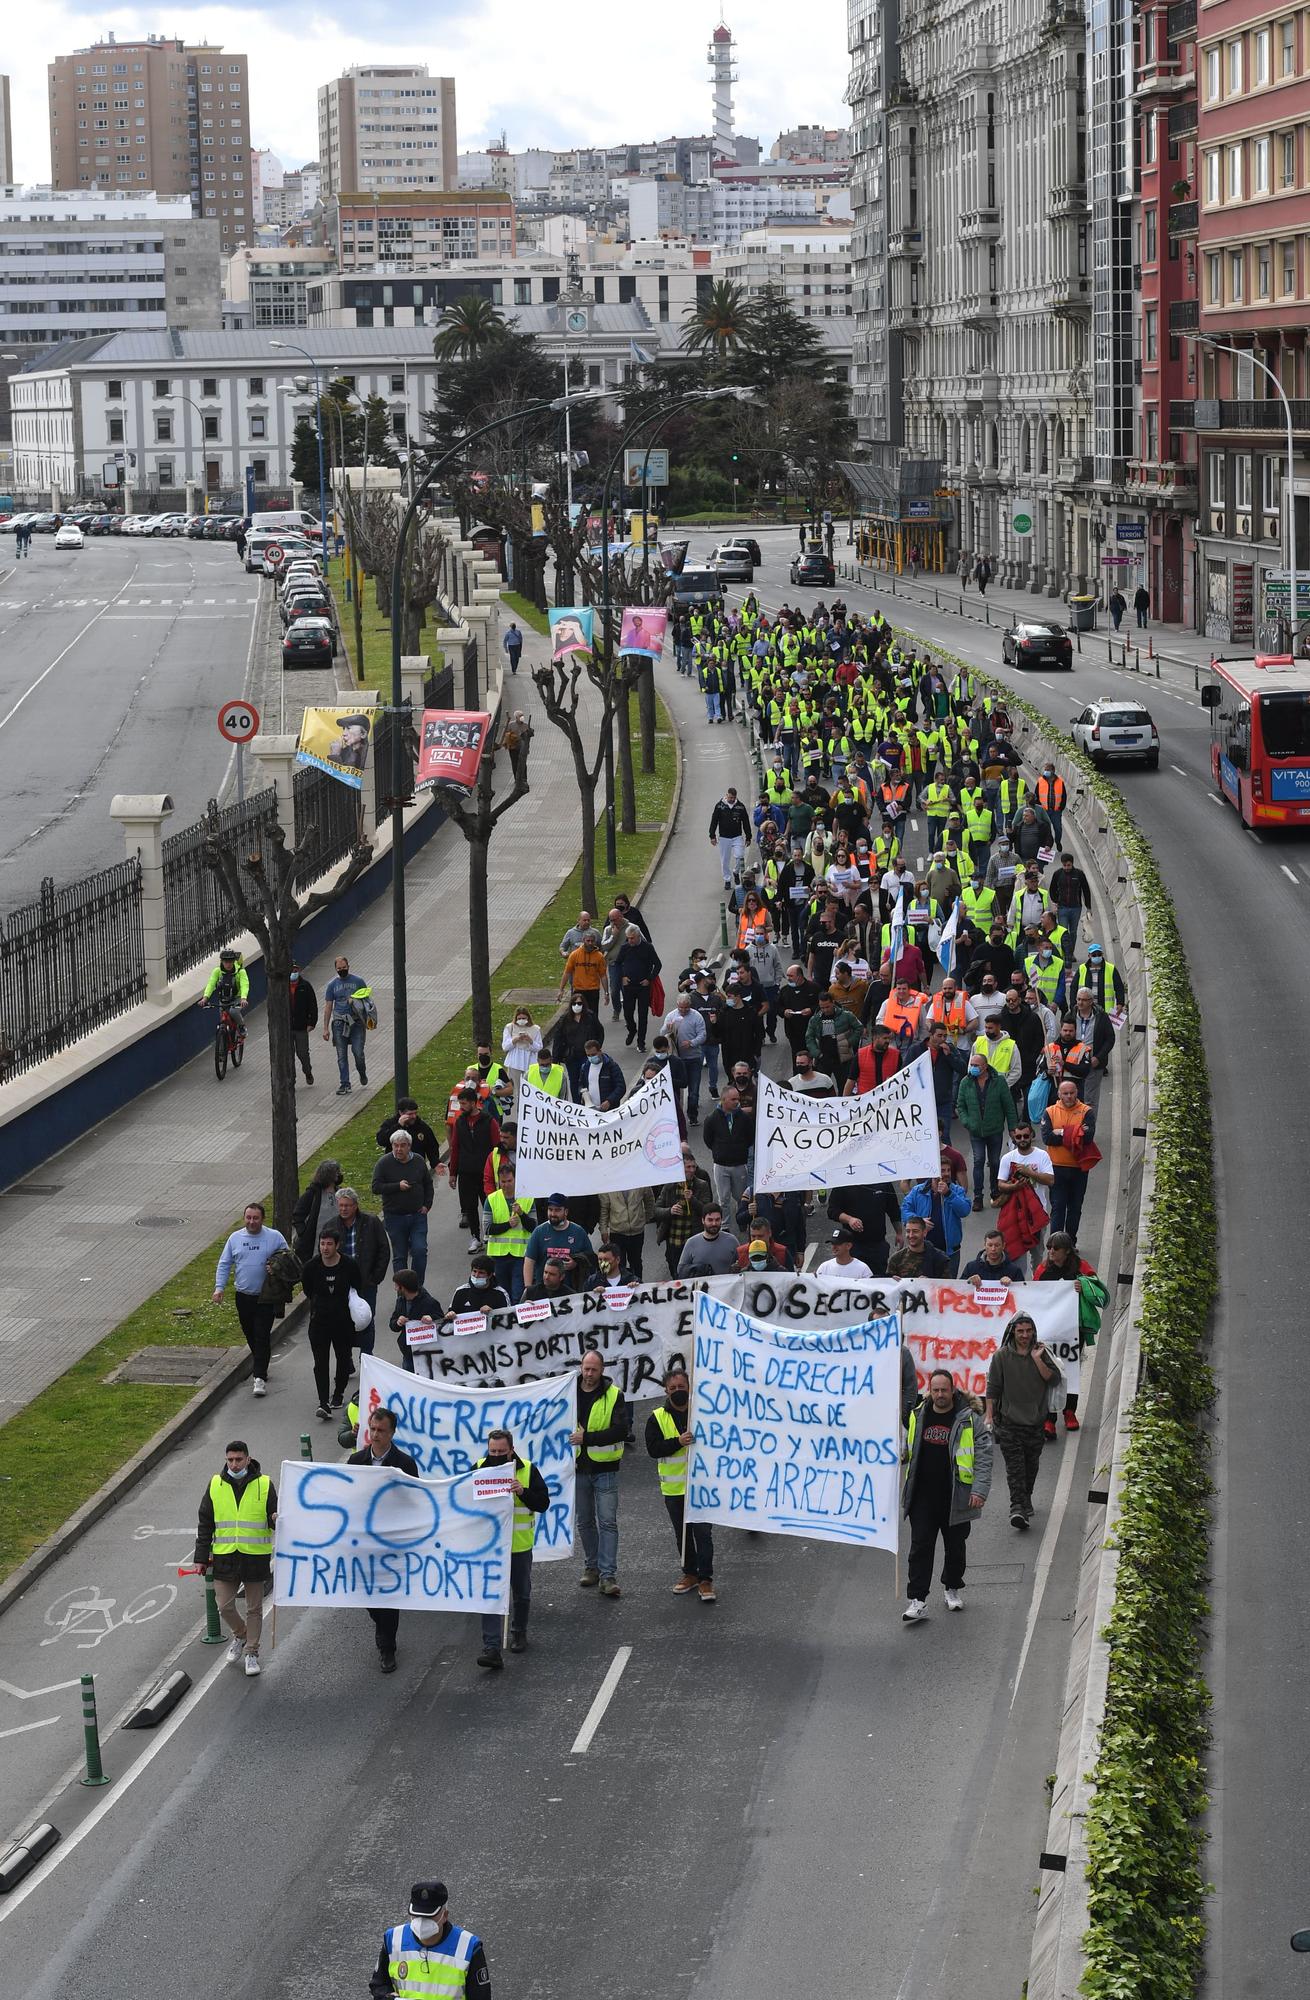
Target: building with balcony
877, 353
385, 126
411, 229
808, 263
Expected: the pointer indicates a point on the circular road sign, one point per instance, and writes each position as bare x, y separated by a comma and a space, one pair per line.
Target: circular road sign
238, 721
274, 556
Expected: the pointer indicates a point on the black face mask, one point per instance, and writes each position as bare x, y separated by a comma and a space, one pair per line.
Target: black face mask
678, 1398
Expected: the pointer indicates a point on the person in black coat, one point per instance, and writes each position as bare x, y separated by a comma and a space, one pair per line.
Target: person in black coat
304, 1018
253, 1573
421, 1135
868, 1210
413, 1301
577, 1026
382, 1451
327, 1282
637, 965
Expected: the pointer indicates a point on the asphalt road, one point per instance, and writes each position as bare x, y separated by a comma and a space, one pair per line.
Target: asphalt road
114, 659
787, 1789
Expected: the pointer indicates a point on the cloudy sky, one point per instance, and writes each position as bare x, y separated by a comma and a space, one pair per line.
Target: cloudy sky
543, 72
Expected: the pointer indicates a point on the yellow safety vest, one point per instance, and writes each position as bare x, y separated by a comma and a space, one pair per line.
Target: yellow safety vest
525, 1521
241, 1526
429, 1972
552, 1083
599, 1419
938, 801
963, 1449
513, 1242
998, 1054
673, 1469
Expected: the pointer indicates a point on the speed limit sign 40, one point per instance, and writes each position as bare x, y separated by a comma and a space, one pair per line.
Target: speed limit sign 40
274, 556
238, 721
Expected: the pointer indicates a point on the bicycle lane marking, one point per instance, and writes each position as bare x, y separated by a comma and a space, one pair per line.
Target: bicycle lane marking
47, 671
85, 1606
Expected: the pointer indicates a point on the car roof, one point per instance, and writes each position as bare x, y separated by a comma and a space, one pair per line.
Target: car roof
1119, 701
308, 624
1037, 625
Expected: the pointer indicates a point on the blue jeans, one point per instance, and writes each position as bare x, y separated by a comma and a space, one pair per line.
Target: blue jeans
364, 1340
348, 1040
711, 704
616, 988
596, 1504
409, 1242
986, 1152
520, 1600
508, 1271
1069, 920
691, 1072
1056, 818
712, 1063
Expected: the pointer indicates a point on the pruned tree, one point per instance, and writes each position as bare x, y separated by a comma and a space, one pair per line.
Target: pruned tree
477, 814
261, 892
559, 683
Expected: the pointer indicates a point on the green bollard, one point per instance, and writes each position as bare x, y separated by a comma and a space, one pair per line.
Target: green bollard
306, 1448
95, 1772
213, 1627
723, 924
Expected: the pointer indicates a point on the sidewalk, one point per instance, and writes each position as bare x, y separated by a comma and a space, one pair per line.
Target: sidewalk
105, 1223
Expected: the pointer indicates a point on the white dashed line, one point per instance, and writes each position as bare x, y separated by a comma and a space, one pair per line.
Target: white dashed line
1254, 835
1210, 795
604, 1696
1290, 876
1182, 773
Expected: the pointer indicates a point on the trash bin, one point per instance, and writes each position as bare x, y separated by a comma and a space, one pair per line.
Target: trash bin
1082, 614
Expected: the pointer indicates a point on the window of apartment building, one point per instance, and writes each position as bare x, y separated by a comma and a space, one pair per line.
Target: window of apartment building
1152, 437
258, 427
1150, 240
1287, 269
115, 430
209, 385
523, 291
1271, 485
397, 385
1216, 482
1264, 272
163, 430
1150, 334
211, 427
114, 390
1242, 481
1148, 137
1236, 276
1287, 159
1234, 188
1262, 56
1214, 278
1260, 166
164, 471
1287, 48
161, 385
1236, 66
257, 385
1213, 178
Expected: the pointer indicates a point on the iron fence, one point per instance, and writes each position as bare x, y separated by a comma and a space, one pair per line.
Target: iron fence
334, 812
197, 916
384, 753
72, 960
439, 687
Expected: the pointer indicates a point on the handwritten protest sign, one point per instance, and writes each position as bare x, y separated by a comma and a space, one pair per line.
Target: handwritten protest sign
796, 1433
369, 1537
581, 1151
887, 1134
445, 1428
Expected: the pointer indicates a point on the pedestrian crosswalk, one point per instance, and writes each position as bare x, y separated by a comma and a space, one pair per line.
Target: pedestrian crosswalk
94, 603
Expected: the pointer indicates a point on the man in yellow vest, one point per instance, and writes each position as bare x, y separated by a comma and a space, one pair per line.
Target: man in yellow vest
508, 1224
599, 1439
430, 1958
948, 1475
668, 1437
531, 1497
234, 1538
552, 1077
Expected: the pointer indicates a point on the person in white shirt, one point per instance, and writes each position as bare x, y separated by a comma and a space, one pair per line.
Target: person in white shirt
521, 1041
944, 1009
685, 1029
899, 876
988, 1000
807, 1081
1027, 1162
843, 1265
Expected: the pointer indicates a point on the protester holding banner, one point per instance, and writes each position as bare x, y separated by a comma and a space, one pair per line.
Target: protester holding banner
413, 1306
668, 1436
531, 1497
557, 1240
381, 1451
948, 1475
602, 1431
508, 1222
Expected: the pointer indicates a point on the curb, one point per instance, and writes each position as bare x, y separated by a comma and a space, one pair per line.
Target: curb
208, 1395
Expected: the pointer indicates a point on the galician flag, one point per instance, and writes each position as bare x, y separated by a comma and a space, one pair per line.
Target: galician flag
946, 943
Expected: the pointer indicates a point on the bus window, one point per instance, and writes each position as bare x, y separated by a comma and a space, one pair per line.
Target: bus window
1285, 724
1236, 729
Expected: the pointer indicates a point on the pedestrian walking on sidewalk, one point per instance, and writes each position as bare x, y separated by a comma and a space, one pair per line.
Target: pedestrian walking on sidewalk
1020, 1379
234, 1539
304, 1018
948, 1475
1141, 604
1117, 605
246, 1256
349, 1003
513, 645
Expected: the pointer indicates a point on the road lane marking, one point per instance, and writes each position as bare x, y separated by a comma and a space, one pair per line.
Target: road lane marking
1182, 773
34, 1694
1215, 796
604, 1696
47, 671
1290, 876
1254, 835
24, 1728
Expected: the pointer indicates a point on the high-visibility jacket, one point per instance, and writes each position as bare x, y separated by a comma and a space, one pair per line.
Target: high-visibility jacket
752, 927
433, 1971
778, 787
524, 1529
599, 1418
1106, 987
1060, 1154
1011, 794
552, 1080
1075, 1056
978, 820
512, 1242
241, 1524
978, 906
999, 1053
963, 1449
673, 1468
902, 1022
1051, 794
1046, 978
938, 801
951, 1017
893, 799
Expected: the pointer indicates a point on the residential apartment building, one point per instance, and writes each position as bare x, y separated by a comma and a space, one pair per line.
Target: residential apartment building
877, 363
160, 115
174, 409
986, 268
1252, 191
809, 263
410, 229
664, 282
814, 142
385, 126
715, 212
75, 265
270, 283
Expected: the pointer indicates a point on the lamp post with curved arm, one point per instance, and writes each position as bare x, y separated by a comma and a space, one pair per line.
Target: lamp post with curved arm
292, 347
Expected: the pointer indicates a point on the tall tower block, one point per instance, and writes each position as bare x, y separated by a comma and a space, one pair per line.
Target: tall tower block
720, 54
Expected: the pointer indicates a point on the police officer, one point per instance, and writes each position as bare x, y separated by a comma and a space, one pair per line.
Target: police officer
234, 1537
531, 1497
668, 1434
429, 1958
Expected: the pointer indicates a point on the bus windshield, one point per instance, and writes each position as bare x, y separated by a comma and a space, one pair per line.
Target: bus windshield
1285, 724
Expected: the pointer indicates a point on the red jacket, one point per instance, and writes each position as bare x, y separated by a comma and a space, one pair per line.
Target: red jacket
1021, 1220
871, 1070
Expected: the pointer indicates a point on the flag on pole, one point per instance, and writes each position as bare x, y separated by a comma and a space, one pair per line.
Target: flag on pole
946, 943
640, 354
897, 930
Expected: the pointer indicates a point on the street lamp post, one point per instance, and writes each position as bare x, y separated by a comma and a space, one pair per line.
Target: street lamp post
292, 347
1246, 353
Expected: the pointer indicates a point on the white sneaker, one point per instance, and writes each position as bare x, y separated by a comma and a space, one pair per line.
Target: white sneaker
259, 1386
234, 1651
252, 1664
475, 1242
955, 1600
913, 1611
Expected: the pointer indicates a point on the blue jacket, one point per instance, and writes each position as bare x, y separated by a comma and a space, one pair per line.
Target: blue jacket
946, 1212
612, 1084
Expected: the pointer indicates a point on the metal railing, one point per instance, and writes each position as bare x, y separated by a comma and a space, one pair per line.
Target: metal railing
439, 687
333, 812
197, 918
72, 960
384, 737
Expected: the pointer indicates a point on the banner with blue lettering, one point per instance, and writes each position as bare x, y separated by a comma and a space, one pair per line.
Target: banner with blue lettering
445, 1427
796, 1433
369, 1537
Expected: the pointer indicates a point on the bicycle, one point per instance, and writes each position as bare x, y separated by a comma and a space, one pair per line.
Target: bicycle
229, 1040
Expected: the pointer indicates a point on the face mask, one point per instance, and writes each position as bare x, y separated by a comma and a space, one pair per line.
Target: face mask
577, 1007
233, 1473
975, 1069
424, 1928
678, 1398
757, 1260
520, 1023
479, 1278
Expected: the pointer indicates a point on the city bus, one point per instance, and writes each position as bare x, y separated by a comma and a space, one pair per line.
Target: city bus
1260, 737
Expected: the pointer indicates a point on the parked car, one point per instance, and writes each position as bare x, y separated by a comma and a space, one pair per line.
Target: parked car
296, 520
813, 570
44, 523
733, 562
309, 642
170, 525
1113, 728
103, 524
1034, 642
693, 587
305, 604
69, 536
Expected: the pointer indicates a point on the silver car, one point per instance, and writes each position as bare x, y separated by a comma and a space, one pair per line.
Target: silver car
733, 563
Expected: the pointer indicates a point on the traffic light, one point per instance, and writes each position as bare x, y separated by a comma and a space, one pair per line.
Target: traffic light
734, 458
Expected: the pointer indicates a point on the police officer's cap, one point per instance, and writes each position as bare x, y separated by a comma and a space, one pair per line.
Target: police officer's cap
426, 1898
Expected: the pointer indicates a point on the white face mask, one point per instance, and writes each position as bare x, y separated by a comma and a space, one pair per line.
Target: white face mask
425, 1928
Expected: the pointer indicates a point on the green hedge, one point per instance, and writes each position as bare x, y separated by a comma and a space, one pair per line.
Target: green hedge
1146, 1935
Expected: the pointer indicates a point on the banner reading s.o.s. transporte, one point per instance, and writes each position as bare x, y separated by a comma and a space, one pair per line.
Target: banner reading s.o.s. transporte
445, 1426
369, 1536
887, 1134
572, 1149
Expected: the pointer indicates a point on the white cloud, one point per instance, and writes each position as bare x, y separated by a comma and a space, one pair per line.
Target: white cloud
545, 73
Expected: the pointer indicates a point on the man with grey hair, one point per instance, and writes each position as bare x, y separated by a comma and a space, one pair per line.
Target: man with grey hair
405, 1185
363, 1238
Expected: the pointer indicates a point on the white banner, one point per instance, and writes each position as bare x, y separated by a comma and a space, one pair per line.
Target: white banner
796, 1433
575, 1150
946, 1324
445, 1428
886, 1134
370, 1537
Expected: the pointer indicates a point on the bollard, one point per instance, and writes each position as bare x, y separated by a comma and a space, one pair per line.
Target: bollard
723, 924
95, 1773
306, 1448
1078, 638
213, 1627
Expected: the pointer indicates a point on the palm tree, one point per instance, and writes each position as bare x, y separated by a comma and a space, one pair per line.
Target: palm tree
468, 326
722, 322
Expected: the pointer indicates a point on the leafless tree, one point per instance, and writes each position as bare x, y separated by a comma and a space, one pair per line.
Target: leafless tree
477, 814
559, 683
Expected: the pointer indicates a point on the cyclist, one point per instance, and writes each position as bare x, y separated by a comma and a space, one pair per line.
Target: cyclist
229, 985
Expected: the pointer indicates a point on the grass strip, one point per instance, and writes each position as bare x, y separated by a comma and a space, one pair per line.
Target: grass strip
70, 1439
